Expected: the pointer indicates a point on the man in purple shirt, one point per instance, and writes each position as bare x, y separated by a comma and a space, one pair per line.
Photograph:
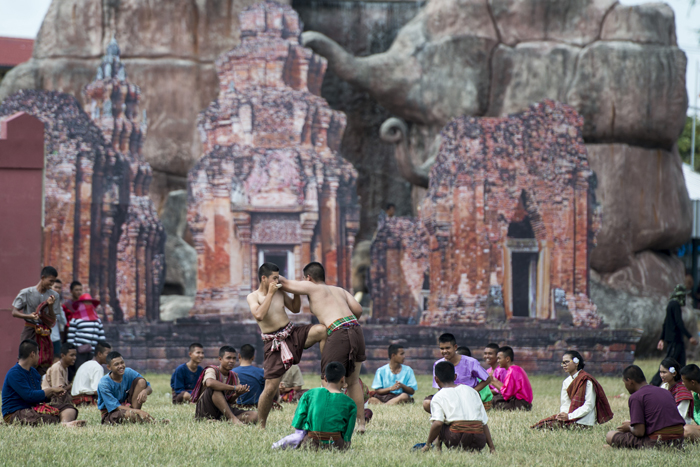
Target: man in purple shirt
467, 369
654, 420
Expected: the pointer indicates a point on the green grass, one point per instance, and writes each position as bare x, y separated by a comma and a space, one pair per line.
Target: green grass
390, 435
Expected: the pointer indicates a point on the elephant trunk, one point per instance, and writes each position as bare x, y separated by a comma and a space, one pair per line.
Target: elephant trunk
395, 131
346, 66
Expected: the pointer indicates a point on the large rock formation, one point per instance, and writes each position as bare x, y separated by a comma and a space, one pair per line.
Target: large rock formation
169, 47
618, 66
271, 186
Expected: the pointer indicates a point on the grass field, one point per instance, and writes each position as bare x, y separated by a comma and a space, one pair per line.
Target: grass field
389, 437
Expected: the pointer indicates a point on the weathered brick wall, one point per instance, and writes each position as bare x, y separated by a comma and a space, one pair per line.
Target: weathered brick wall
270, 175
160, 347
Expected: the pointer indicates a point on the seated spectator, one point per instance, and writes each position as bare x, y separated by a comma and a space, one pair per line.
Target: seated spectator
249, 375
468, 369
458, 416
291, 385
394, 383
670, 374
583, 400
57, 374
121, 393
498, 373
87, 378
654, 420
185, 377
516, 392
326, 414
690, 375
485, 393
217, 391
23, 400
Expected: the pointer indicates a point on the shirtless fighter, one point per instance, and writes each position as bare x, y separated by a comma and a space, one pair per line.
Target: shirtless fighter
284, 341
338, 311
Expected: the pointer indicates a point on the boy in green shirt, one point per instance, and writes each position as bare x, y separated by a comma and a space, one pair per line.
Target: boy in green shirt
326, 414
690, 374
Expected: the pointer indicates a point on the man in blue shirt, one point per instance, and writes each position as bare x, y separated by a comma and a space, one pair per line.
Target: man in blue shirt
394, 383
250, 375
121, 393
23, 400
185, 377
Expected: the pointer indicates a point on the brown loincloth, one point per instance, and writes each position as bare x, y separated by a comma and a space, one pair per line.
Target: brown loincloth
119, 416
206, 409
33, 418
499, 403
384, 398
273, 365
179, 398
323, 440
629, 441
469, 436
85, 399
551, 423
344, 345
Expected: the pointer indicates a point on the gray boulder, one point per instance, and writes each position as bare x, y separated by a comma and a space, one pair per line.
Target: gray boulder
174, 307
180, 257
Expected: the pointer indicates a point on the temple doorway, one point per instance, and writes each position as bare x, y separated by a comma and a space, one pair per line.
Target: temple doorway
524, 256
282, 256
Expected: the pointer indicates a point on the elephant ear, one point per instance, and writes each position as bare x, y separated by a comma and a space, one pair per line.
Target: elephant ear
395, 131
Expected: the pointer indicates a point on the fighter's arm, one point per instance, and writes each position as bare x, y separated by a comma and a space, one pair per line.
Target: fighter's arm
293, 304
354, 306
258, 309
297, 287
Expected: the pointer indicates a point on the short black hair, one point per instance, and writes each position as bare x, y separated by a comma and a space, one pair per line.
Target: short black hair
112, 355
668, 363
447, 338
394, 349
58, 281
27, 347
316, 271
247, 352
691, 372
464, 350
101, 347
226, 348
67, 347
493, 346
507, 351
445, 372
195, 345
334, 372
49, 271
634, 373
574, 354
266, 269
389, 206
74, 284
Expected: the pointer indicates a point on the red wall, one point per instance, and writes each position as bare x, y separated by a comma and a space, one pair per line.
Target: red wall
21, 198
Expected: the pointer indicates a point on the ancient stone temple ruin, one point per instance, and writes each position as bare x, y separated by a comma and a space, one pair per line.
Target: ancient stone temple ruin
100, 226
271, 186
505, 231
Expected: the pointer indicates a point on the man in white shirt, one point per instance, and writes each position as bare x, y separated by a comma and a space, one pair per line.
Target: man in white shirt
88, 376
457, 414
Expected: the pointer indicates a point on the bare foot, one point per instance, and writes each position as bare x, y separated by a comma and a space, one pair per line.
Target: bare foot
75, 424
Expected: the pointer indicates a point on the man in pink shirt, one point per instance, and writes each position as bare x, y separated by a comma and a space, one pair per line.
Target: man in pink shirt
467, 369
498, 373
516, 391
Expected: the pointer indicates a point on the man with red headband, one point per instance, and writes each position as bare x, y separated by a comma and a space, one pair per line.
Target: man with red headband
85, 328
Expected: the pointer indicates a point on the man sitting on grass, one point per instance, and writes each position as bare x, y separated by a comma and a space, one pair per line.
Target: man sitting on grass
516, 392
57, 374
468, 370
218, 388
185, 376
23, 400
121, 393
498, 373
394, 383
251, 376
291, 385
485, 393
691, 379
89, 375
458, 416
327, 414
654, 420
